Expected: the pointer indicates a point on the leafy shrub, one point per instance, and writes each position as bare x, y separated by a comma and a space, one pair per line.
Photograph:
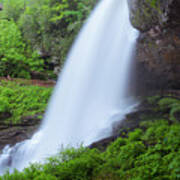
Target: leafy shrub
135, 135
172, 104
168, 102
12, 9
16, 59
4, 104
46, 26
51, 25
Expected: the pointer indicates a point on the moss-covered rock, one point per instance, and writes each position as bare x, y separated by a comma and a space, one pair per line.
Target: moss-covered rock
147, 13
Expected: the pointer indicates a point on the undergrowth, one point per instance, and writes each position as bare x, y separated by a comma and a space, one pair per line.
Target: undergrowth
18, 100
152, 153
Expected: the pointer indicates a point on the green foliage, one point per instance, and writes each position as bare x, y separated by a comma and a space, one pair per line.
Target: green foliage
51, 26
135, 135
153, 99
174, 110
172, 104
153, 3
168, 102
4, 104
46, 26
152, 153
79, 167
169, 106
12, 9
21, 100
16, 59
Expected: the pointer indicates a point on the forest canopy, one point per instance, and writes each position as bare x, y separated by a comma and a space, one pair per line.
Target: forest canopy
41, 32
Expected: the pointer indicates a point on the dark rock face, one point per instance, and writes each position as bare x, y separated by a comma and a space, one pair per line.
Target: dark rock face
11, 134
160, 57
158, 47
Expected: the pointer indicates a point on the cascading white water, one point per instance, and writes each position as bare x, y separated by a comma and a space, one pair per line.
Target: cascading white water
91, 91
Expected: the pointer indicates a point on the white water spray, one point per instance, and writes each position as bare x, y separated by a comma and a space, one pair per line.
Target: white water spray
91, 91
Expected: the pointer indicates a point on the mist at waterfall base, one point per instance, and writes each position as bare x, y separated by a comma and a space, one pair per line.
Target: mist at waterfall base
91, 92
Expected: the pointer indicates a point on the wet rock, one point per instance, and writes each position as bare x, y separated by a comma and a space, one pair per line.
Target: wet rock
11, 134
158, 47
4, 115
31, 120
158, 60
102, 144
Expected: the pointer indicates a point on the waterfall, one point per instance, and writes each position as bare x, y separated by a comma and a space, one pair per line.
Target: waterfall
91, 92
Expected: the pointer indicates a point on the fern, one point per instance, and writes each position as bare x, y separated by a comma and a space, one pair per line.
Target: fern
168, 102
175, 109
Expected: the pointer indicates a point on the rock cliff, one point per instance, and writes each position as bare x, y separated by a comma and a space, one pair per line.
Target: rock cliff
158, 46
